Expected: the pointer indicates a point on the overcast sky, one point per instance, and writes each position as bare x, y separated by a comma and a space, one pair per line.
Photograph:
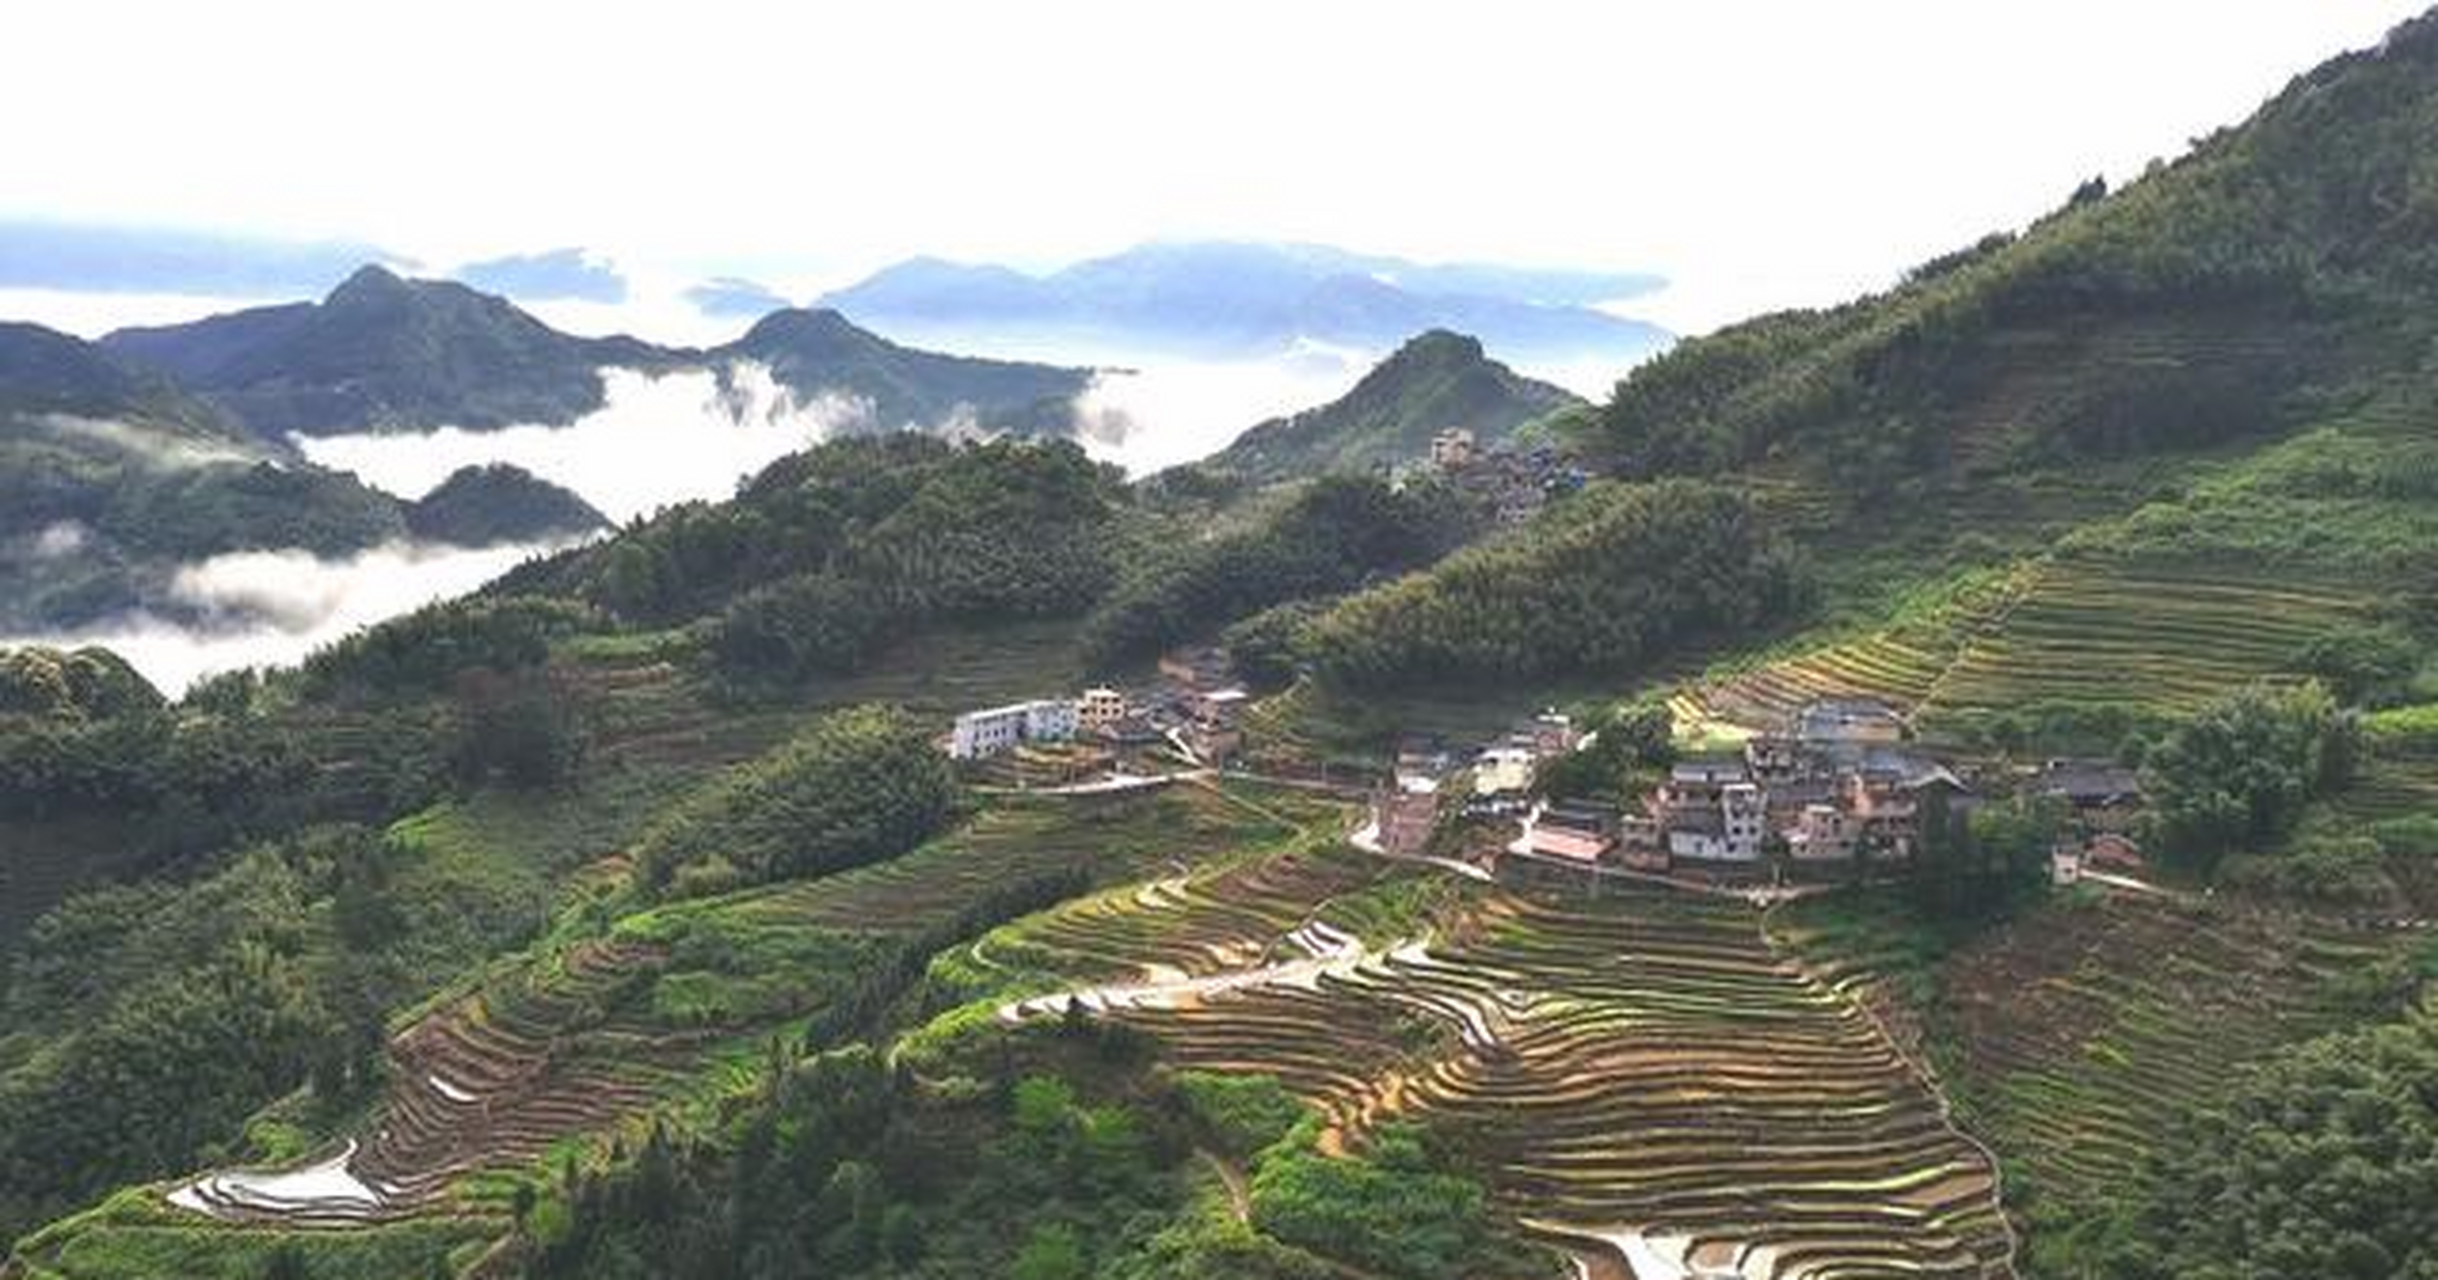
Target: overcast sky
1757, 152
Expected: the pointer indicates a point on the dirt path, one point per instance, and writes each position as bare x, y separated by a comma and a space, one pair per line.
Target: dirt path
1327, 951
1239, 1195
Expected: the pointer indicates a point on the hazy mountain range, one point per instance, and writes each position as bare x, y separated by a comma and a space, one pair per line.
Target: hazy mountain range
1216, 299
384, 353
129, 459
1226, 299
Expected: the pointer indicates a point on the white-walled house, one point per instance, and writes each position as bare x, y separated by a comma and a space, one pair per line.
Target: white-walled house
1100, 708
997, 729
1503, 770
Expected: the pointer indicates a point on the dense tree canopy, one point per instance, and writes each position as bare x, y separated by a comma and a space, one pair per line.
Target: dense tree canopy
2238, 774
858, 786
1600, 586
2322, 1163
828, 551
1332, 536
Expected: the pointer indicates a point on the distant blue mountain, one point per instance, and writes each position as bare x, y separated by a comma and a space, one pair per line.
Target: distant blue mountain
729, 298
383, 353
1230, 298
38, 254
557, 275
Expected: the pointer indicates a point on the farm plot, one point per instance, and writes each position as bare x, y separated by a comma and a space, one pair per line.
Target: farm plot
2058, 632
2076, 1036
587, 1035
2111, 634
1645, 1070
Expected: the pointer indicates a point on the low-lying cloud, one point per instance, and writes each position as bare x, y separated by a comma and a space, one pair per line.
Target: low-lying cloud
659, 439
155, 448
271, 608
1150, 416
1164, 411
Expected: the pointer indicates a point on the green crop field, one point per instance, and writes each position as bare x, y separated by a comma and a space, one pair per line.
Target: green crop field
609, 1022
2074, 1035
1646, 1064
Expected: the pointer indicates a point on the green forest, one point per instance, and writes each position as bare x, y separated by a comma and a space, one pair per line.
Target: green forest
628, 918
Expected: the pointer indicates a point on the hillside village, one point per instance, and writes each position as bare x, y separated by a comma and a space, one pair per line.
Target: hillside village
1837, 792
1834, 790
1943, 785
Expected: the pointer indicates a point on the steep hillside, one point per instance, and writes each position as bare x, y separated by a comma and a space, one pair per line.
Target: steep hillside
1435, 382
488, 505
43, 371
820, 352
384, 353
2291, 254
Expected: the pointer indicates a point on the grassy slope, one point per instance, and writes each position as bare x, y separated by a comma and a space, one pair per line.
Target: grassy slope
2072, 1035
666, 1010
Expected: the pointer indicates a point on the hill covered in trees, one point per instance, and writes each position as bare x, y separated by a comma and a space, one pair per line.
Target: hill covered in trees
383, 353
1608, 583
2222, 295
110, 476
1437, 381
481, 506
615, 947
823, 353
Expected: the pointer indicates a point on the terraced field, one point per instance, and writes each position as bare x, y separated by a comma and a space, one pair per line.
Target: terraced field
2097, 633
1641, 1075
2061, 631
1901, 665
591, 1033
2073, 1037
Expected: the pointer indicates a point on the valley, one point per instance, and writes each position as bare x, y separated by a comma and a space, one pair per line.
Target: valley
1940, 786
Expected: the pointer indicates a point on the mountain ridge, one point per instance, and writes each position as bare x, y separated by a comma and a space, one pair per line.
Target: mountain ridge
1240, 298
383, 353
1434, 381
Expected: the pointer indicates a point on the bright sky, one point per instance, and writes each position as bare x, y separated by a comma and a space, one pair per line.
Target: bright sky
1758, 152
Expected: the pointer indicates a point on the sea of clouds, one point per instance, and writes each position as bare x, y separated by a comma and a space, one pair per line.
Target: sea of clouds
271, 608
657, 439
690, 434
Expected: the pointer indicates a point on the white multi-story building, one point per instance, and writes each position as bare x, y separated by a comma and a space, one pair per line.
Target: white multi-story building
989, 732
1744, 811
1100, 708
1503, 770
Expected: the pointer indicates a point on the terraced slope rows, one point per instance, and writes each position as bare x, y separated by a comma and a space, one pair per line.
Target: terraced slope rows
1644, 1069
582, 1037
2075, 1035
1900, 665
2113, 634
2067, 630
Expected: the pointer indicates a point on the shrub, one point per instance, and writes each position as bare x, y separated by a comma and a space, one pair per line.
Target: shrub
858, 786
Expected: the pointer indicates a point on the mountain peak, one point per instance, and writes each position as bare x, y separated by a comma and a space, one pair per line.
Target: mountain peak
1435, 380
793, 326
371, 282
1435, 346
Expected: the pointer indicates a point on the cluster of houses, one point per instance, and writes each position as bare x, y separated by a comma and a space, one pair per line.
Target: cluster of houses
1407, 811
1514, 483
1195, 711
1840, 788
